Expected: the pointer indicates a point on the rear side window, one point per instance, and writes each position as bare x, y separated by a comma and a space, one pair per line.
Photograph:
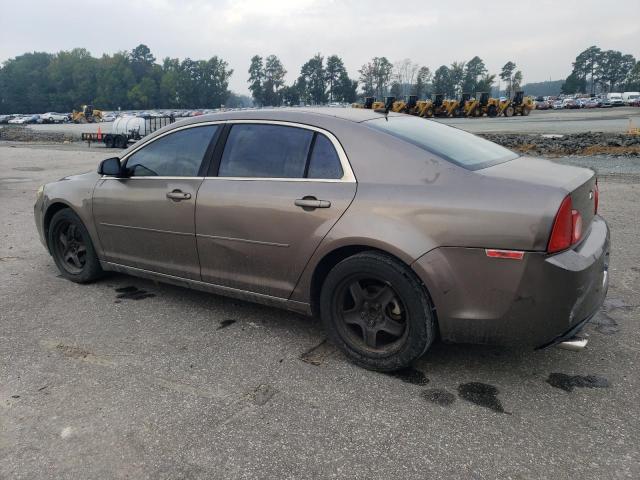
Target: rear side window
452, 144
324, 161
178, 154
265, 151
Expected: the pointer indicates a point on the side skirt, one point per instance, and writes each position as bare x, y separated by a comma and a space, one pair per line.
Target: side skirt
277, 302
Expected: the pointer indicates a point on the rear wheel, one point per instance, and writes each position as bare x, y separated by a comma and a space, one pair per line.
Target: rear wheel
509, 111
492, 111
120, 141
109, 141
525, 111
376, 310
72, 249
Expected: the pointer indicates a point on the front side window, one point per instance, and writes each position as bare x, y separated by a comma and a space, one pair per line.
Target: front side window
265, 151
452, 144
178, 154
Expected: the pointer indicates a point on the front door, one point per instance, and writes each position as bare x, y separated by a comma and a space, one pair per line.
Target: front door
278, 192
146, 220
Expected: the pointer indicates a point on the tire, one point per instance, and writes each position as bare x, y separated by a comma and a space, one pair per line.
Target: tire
120, 141
525, 111
109, 141
71, 248
377, 312
492, 111
509, 111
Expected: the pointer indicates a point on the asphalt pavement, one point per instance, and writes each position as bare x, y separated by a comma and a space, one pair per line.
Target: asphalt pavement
127, 378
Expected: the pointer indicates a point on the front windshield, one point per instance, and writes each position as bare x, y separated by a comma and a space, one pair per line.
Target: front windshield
452, 144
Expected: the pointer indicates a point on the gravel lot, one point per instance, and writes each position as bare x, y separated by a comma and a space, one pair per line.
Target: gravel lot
181, 384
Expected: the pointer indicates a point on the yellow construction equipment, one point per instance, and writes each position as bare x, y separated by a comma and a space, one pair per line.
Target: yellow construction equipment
446, 107
88, 114
466, 106
412, 106
523, 105
518, 105
370, 103
492, 108
476, 107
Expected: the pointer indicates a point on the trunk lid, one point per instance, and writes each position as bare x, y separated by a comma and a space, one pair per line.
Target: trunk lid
579, 183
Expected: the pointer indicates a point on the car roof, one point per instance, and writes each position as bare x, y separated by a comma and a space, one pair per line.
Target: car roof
310, 115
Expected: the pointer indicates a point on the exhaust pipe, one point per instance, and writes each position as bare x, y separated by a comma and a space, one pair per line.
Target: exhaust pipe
575, 344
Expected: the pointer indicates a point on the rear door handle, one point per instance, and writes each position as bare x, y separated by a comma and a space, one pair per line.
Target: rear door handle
178, 195
311, 203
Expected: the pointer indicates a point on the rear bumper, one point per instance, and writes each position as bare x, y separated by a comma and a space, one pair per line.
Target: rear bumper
529, 302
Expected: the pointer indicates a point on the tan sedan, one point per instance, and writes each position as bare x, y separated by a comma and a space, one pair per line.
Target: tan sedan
394, 229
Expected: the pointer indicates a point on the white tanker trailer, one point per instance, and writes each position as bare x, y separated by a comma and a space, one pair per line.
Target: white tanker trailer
128, 128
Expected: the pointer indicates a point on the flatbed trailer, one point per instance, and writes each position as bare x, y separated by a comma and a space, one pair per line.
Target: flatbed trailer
122, 139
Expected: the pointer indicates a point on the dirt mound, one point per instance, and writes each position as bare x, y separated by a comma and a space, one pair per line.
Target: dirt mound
19, 133
615, 144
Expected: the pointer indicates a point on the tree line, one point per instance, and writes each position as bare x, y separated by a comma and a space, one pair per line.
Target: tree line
39, 82
320, 82
596, 70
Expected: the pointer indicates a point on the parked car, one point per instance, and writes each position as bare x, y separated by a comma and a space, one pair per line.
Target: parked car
20, 119
394, 229
542, 105
558, 105
593, 103
615, 99
605, 103
570, 103
635, 102
109, 117
5, 118
54, 117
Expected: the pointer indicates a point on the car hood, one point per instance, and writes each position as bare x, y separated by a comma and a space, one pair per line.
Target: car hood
81, 176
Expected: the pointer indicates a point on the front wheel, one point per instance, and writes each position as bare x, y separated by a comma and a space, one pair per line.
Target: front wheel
377, 312
72, 249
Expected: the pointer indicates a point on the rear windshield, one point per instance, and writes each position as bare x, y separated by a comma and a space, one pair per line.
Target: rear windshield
452, 144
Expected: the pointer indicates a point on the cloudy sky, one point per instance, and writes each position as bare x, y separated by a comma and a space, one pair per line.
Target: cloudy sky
542, 37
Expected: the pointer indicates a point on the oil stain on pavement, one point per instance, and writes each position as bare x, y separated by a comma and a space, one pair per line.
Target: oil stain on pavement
410, 375
481, 394
225, 323
132, 293
569, 382
439, 396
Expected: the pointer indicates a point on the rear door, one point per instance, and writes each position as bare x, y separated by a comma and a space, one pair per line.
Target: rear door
276, 192
147, 221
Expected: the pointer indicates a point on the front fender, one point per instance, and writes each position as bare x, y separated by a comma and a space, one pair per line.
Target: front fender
76, 193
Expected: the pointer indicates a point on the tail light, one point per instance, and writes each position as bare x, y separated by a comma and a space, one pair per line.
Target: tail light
596, 198
567, 227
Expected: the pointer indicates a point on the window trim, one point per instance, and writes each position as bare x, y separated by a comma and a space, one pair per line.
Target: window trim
203, 163
212, 165
347, 172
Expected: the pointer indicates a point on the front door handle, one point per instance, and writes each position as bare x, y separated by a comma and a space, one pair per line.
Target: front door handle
310, 203
178, 195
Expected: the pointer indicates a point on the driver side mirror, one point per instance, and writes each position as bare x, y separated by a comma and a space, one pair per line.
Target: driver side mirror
110, 167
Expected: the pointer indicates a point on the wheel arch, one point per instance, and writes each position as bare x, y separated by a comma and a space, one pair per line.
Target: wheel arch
51, 210
336, 255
